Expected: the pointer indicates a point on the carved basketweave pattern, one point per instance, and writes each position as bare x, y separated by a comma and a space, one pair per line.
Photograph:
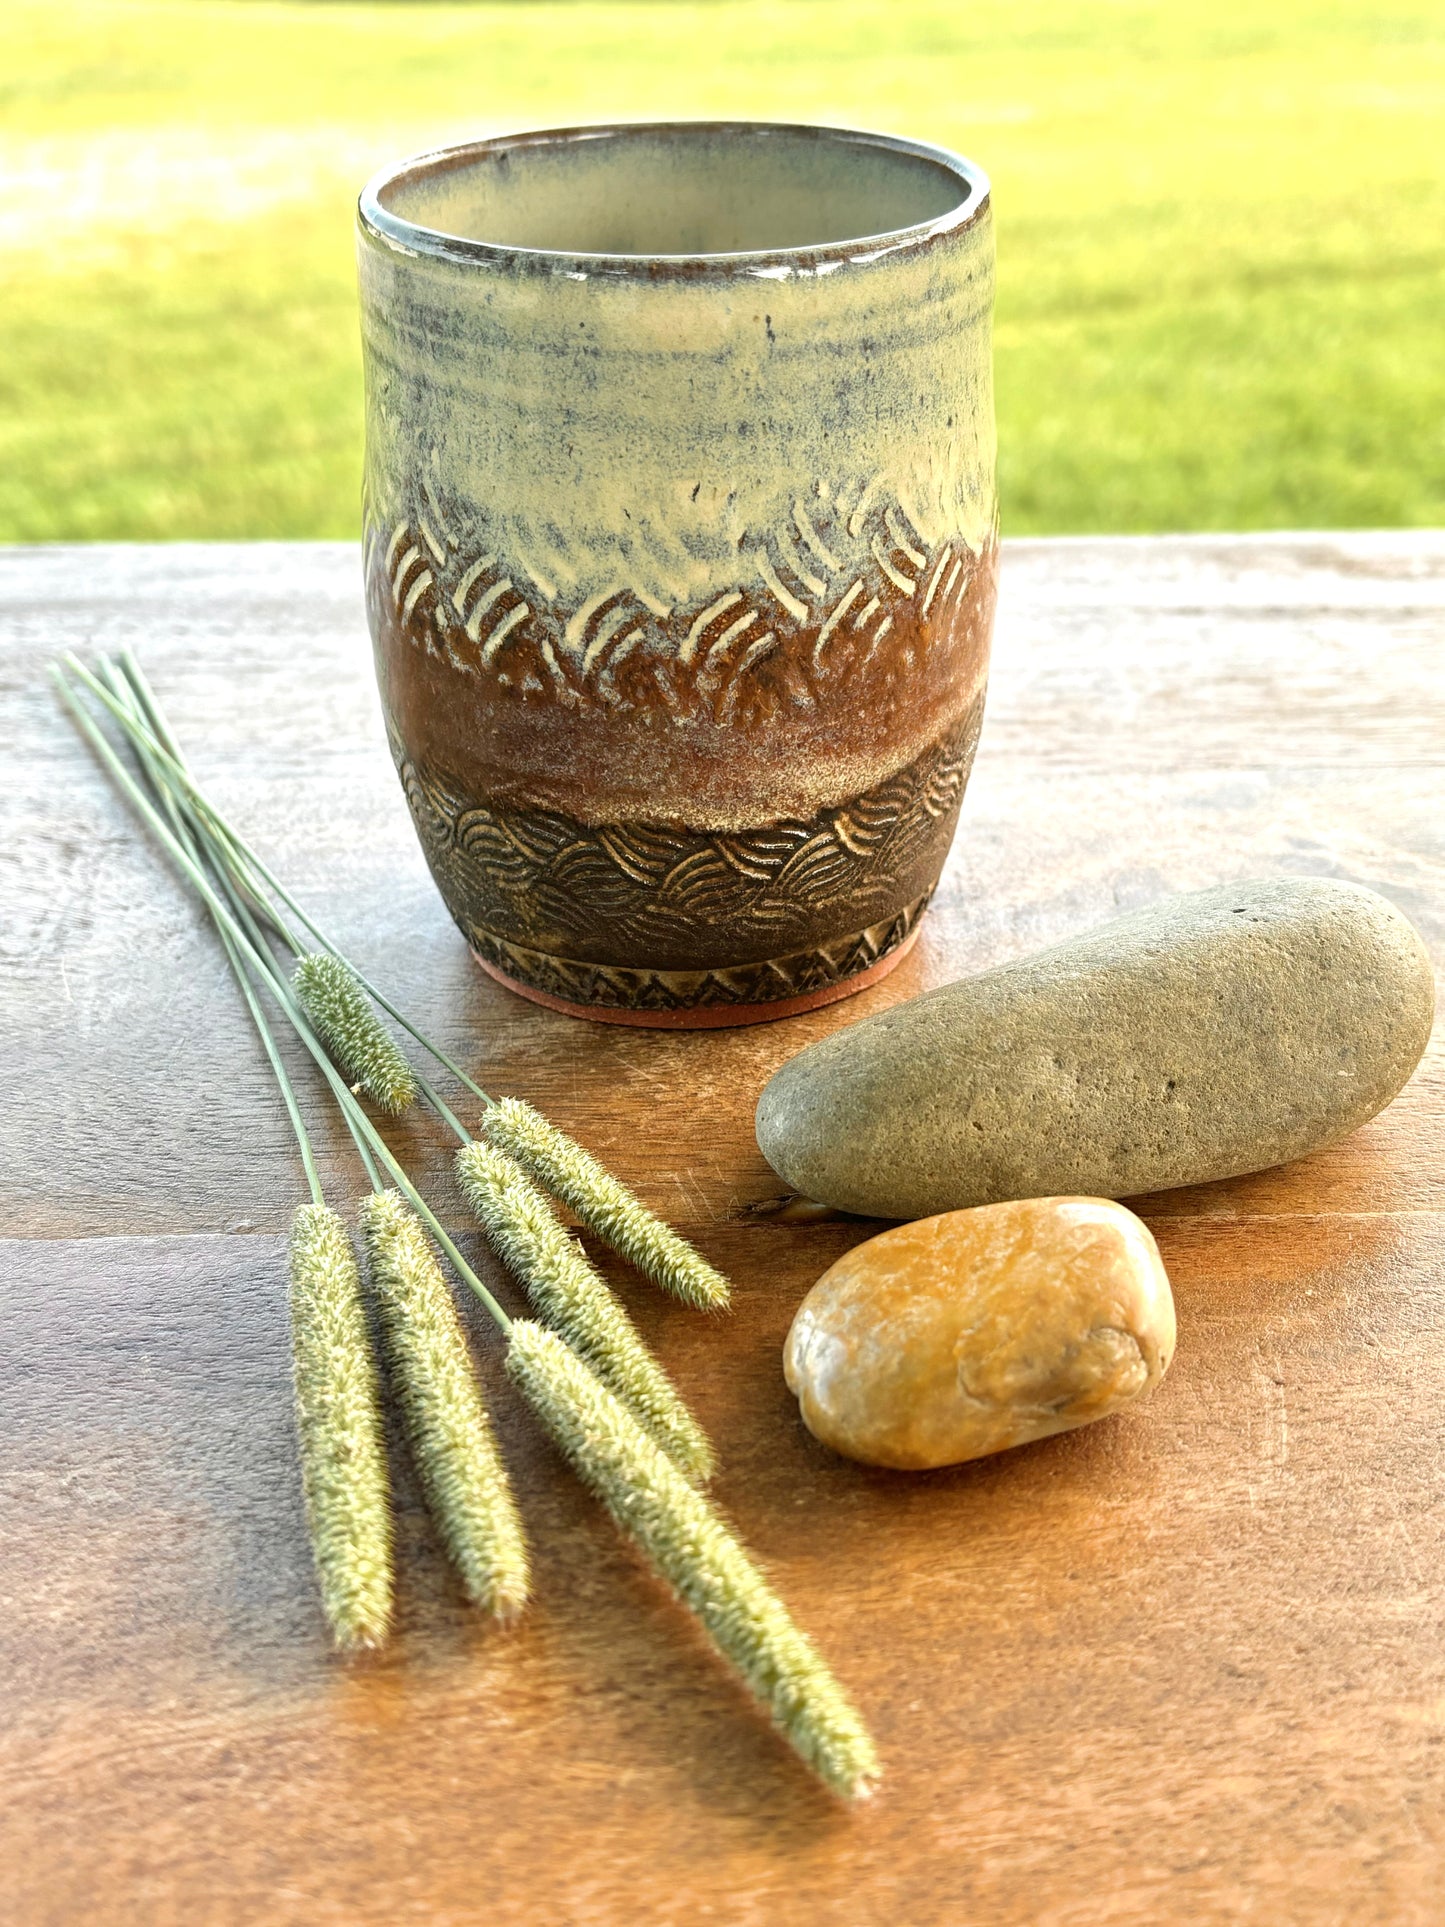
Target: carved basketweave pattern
839, 597
537, 881
818, 595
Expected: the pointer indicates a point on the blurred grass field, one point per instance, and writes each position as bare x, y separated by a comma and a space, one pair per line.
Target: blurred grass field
1221, 234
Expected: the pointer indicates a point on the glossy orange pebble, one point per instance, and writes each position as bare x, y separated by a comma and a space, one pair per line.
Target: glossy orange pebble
978, 1330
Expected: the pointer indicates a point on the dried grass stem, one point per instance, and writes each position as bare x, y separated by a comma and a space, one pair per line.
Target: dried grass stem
343, 1456
693, 1549
453, 1445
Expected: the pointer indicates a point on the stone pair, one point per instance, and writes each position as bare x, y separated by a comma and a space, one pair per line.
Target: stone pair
1204, 1037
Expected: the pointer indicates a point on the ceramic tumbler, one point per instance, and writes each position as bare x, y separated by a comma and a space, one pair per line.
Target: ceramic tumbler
680, 549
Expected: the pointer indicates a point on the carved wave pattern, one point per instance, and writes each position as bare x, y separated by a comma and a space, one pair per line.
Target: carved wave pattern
611, 987
844, 574
542, 880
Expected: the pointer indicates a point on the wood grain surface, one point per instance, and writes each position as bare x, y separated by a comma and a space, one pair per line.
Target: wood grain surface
1186, 1665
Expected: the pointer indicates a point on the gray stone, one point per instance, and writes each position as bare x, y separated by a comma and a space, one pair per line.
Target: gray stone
1202, 1037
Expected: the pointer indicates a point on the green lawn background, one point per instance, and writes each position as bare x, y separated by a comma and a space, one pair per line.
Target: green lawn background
1221, 234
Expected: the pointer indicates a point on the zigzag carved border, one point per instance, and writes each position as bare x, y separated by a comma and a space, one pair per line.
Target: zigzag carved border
611, 987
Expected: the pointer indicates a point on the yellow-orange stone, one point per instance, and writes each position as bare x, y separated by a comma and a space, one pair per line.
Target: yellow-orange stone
977, 1330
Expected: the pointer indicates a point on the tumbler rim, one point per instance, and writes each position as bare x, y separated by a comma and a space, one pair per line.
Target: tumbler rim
407, 237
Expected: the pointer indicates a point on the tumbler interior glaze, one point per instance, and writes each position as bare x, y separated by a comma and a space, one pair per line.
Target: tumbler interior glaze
652, 194
680, 548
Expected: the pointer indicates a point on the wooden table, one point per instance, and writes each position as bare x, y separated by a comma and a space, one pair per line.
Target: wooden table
1184, 1666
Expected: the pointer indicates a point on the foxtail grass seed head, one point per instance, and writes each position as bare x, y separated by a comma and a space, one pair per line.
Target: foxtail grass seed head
343, 1456
695, 1552
453, 1445
342, 1016
621, 1220
570, 1295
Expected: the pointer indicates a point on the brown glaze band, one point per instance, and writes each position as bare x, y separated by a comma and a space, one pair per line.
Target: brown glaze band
688, 900
613, 714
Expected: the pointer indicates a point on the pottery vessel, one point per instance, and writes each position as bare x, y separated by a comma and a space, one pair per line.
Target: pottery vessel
680, 540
